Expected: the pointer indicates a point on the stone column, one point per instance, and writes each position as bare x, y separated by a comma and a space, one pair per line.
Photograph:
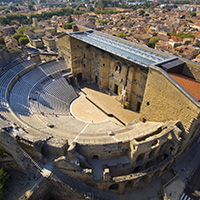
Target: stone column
148, 178
121, 188
135, 183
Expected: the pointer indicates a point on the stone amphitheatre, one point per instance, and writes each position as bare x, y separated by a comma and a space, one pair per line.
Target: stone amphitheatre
107, 114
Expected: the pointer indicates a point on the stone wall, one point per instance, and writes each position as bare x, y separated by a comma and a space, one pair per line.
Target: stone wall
60, 191
33, 150
55, 146
8, 162
103, 151
64, 46
149, 155
22, 159
6, 57
108, 71
156, 146
73, 169
163, 101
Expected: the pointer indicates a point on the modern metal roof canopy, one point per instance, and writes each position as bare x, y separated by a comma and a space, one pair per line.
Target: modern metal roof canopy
129, 50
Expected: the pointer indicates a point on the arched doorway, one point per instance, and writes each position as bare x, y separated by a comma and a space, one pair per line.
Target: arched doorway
114, 187
95, 157
79, 77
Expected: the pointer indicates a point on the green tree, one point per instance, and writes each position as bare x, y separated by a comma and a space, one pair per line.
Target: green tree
3, 180
18, 35
193, 14
103, 21
175, 6
21, 29
152, 42
13, 8
121, 35
70, 19
141, 12
101, 5
68, 25
183, 35
3, 21
23, 40
30, 7
48, 15
6, 11
91, 9
91, 18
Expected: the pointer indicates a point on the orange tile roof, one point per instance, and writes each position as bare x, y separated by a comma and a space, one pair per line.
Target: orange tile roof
176, 38
197, 24
197, 35
189, 84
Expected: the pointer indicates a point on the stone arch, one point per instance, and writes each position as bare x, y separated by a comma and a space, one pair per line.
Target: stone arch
142, 182
152, 153
162, 157
114, 186
149, 164
168, 165
162, 148
170, 147
118, 67
155, 143
140, 158
95, 157
137, 169
128, 185
158, 173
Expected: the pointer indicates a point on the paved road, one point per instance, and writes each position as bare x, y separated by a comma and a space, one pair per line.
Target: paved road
192, 189
189, 170
188, 163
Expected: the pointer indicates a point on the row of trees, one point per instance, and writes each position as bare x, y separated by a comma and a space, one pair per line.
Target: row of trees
22, 19
20, 37
183, 35
48, 15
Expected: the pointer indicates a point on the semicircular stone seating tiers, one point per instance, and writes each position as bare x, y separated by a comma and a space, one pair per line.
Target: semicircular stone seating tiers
40, 96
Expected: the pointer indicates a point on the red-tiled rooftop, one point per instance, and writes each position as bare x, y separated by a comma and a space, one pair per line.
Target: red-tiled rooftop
189, 84
176, 38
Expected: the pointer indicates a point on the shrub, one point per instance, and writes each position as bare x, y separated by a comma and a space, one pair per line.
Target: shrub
152, 42
121, 35
23, 40
68, 25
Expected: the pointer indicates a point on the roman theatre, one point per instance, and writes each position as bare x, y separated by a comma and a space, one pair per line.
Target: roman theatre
107, 114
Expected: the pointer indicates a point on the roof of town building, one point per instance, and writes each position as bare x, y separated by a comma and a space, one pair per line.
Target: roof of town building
189, 84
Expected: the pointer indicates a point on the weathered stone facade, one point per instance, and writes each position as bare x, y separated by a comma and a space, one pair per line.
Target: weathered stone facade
147, 90
126, 154
108, 71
